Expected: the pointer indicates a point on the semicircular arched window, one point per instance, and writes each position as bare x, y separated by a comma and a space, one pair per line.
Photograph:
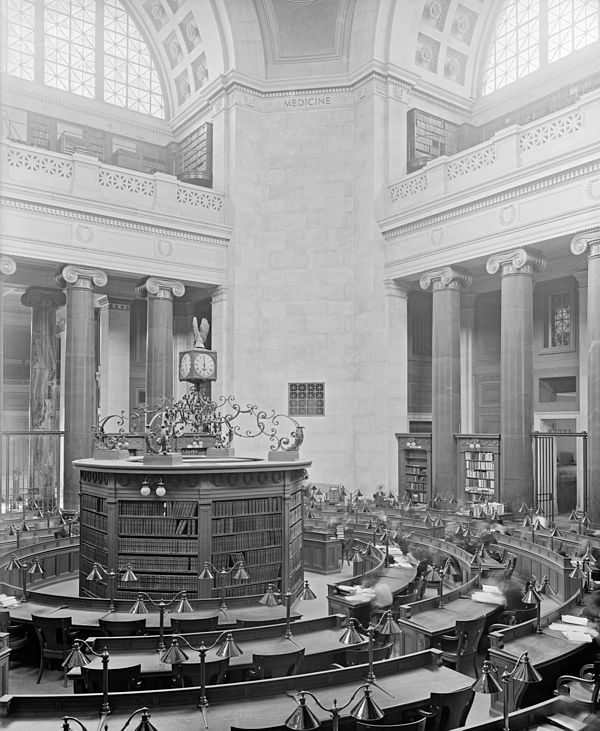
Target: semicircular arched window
531, 34
88, 47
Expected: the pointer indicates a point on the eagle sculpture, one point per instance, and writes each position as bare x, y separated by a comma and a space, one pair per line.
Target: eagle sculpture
200, 333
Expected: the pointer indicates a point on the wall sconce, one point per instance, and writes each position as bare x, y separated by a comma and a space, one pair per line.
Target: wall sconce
474, 445
148, 482
413, 445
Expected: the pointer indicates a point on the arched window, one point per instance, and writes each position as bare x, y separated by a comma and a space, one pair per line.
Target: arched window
530, 34
88, 47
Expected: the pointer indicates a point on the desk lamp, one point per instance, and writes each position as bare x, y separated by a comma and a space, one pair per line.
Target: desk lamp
183, 606
435, 576
532, 596
77, 659
237, 570
352, 636
100, 572
143, 725
175, 655
581, 576
303, 719
306, 594
523, 672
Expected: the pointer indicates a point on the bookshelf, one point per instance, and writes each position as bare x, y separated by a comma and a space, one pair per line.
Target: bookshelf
428, 137
254, 516
414, 467
479, 466
195, 156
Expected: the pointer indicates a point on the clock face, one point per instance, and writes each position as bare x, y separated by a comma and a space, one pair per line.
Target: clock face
185, 365
204, 365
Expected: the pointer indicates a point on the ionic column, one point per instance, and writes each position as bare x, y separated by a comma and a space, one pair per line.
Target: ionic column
396, 364
445, 374
582, 386
516, 372
588, 243
467, 330
8, 267
183, 337
80, 371
159, 341
115, 319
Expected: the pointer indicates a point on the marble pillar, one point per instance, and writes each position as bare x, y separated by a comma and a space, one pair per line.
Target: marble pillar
588, 243
115, 346
219, 340
80, 371
159, 341
44, 477
183, 338
516, 373
445, 376
467, 333
396, 363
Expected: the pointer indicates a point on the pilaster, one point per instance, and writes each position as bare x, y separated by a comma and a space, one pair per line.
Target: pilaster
516, 372
115, 331
219, 337
588, 243
447, 284
8, 267
467, 330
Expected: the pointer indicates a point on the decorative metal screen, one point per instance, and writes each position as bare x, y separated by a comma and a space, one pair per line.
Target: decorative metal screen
560, 320
306, 399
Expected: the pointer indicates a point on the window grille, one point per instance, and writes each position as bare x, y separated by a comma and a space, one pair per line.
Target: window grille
306, 399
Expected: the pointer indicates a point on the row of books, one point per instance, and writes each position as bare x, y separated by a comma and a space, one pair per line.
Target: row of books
266, 521
241, 590
162, 582
297, 498
475, 472
158, 525
92, 536
484, 489
295, 530
160, 563
251, 506
96, 520
251, 557
150, 508
91, 502
480, 456
471, 482
92, 553
158, 545
268, 572
411, 469
244, 541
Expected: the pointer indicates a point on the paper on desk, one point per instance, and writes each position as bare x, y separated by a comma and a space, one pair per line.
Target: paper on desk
578, 636
492, 588
8, 601
564, 721
573, 629
572, 619
487, 597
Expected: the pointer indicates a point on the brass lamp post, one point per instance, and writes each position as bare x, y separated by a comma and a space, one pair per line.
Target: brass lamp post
303, 719
305, 594
100, 572
183, 605
238, 571
355, 634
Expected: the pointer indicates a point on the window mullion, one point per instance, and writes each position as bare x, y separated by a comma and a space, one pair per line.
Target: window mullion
99, 55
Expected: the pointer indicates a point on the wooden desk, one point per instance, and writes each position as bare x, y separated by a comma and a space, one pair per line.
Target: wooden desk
408, 681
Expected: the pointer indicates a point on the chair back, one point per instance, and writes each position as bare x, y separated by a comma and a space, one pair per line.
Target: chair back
259, 622
119, 679
468, 633
523, 615
122, 627
510, 566
451, 709
54, 635
360, 656
278, 666
180, 624
421, 588
416, 725
188, 673
4, 620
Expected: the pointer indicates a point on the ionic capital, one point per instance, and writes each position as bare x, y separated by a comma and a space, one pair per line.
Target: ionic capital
40, 297
586, 242
74, 276
446, 278
8, 266
158, 288
518, 261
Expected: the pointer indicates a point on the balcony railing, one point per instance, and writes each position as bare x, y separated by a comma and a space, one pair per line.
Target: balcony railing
563, 138
31, 475
86, 178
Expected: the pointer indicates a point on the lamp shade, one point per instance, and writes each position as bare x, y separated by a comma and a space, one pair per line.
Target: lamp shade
174, 655
366, 709
205, 573
302, 718
546, 589
12, 531
269, 599
76, 658
36, 567
229, 648
357, 556
432, 574
524, 671
183, 605
307, 593
128, 574
95, 574
487, 683
351, 635
577, 573
14, 564
531, 596
390, 626
25, 527
241, 574
144, 724
138, 606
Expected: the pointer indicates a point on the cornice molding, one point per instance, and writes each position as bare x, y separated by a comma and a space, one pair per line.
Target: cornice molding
112, 221
549, 181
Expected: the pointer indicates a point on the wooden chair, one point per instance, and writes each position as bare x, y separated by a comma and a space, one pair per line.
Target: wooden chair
585, 688
275, 666
187, 674
55, 638
122, 627
259, 622
513, 616
181, 624
360, 656
460, 650
119, 679
18, 637
450, 710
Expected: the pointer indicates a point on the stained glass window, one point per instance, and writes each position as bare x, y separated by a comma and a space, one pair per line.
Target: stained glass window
79, 43
560, 320
530, 34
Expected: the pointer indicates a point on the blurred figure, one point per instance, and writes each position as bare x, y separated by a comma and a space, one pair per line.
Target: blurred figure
383, 596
